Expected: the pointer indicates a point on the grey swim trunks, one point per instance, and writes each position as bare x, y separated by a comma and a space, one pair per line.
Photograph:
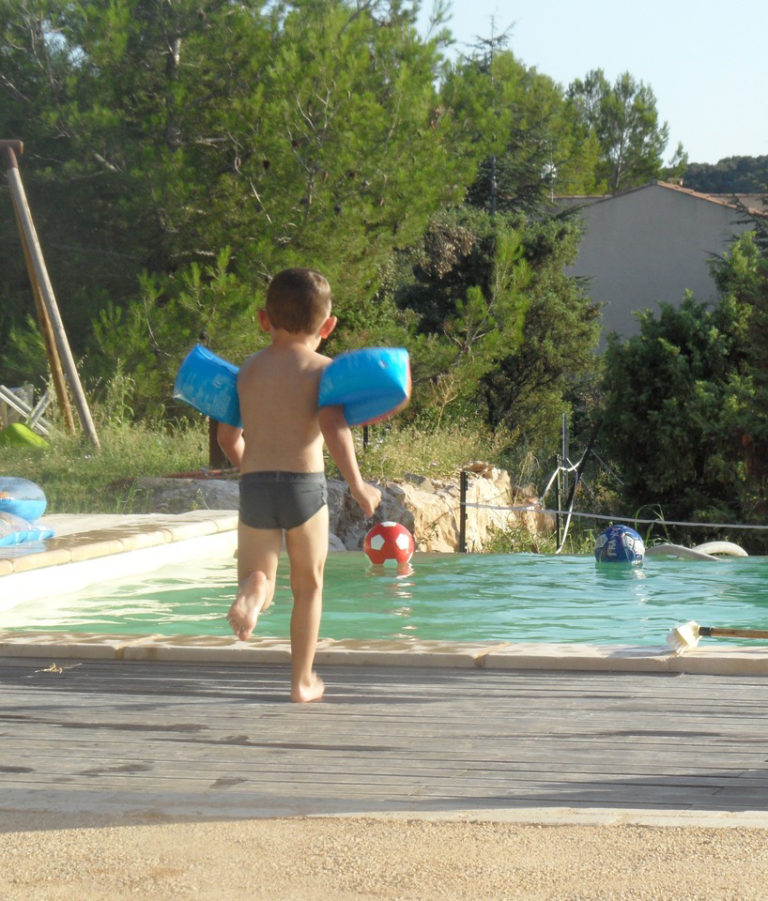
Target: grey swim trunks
281, 500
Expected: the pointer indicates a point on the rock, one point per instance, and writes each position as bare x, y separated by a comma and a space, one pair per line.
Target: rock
160, 495
431, 511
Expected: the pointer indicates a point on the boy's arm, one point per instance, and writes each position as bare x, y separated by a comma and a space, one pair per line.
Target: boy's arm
232, 443
341, 447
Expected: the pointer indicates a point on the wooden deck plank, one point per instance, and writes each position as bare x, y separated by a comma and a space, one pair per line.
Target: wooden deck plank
149, 740
67, 755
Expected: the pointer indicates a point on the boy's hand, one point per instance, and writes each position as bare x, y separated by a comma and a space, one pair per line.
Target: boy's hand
368, 497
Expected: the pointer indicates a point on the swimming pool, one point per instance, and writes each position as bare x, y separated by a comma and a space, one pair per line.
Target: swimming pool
509, 597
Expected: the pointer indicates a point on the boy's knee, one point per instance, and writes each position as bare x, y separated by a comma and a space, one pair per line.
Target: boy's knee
306, 582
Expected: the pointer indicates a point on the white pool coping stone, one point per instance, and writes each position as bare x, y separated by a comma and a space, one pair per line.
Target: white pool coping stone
88, 549
464, 655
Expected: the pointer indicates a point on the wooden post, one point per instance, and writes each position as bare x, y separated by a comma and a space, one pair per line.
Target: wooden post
39, 277
216, 456
463, 511
54, 360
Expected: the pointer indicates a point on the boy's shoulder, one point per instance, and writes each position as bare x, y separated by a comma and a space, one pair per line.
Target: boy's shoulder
304, 359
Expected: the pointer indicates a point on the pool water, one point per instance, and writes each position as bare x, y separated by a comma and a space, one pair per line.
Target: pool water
504, 597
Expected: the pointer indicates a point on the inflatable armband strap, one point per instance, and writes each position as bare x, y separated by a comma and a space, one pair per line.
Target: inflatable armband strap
372, 384
209, 384
15, 530
20, 497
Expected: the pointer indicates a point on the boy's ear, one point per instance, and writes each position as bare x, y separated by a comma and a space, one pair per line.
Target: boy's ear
264, 321
328, 326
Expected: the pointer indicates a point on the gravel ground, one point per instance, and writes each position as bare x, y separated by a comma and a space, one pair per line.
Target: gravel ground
383, 859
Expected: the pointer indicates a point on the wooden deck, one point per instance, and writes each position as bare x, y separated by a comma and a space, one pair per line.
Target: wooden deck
108, 741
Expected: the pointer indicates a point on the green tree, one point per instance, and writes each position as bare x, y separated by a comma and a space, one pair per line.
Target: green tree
742, 277
499, 257
624, 120
676, 397
506, 334
536, 380
91, 88
298, 132
517, 121
732, 175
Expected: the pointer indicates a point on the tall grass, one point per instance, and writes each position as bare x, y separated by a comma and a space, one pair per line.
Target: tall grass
78, 478
393, 451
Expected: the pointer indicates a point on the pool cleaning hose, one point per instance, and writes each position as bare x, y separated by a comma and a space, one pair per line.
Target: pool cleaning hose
685, 637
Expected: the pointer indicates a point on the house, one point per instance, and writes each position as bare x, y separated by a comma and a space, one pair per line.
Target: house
653, 243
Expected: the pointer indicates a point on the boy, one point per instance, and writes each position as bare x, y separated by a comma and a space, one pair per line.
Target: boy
279, 452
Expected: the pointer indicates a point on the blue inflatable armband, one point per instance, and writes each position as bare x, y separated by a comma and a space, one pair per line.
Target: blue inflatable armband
209, 384
23, 498
14, 530
372, 384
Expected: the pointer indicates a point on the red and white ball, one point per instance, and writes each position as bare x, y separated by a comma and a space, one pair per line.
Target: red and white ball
389, 541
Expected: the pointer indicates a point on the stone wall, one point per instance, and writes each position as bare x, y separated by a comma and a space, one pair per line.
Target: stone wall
429, 508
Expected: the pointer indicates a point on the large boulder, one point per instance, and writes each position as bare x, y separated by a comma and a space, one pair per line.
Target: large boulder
178, 495
431, 510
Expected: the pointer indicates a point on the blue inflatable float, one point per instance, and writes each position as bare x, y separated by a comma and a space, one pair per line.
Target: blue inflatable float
14, 530
371, 384
21, 498
209, 384
21, 503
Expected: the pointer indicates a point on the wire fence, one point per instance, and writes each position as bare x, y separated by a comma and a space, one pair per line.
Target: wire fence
568, 514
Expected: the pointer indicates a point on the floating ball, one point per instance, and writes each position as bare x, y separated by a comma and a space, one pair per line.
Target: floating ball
389, 541
619, 544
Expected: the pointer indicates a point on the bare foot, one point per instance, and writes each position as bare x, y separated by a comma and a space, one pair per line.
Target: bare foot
311, 691
250, 601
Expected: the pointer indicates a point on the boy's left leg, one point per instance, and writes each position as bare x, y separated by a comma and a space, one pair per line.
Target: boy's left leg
258, 553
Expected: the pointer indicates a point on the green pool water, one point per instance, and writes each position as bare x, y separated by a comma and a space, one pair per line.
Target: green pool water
510, 597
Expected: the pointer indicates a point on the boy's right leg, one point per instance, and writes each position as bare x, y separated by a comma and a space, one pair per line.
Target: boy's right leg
258, 553
307, 547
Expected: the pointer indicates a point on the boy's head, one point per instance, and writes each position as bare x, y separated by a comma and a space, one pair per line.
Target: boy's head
298, 300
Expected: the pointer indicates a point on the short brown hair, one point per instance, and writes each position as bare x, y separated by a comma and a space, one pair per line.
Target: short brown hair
298, 300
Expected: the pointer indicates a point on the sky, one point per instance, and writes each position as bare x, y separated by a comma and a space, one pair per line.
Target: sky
705, 61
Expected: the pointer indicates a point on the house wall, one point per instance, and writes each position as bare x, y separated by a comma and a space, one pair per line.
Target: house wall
650, 245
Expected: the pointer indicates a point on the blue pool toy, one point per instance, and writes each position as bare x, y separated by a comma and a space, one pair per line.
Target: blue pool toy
14, 530
22, 498
619, 544
371, 384
209, 384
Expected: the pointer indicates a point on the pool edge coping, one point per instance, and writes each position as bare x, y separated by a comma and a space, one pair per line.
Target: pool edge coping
110, 539
434, 654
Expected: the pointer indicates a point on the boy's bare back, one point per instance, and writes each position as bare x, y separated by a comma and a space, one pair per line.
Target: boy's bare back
278, 390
